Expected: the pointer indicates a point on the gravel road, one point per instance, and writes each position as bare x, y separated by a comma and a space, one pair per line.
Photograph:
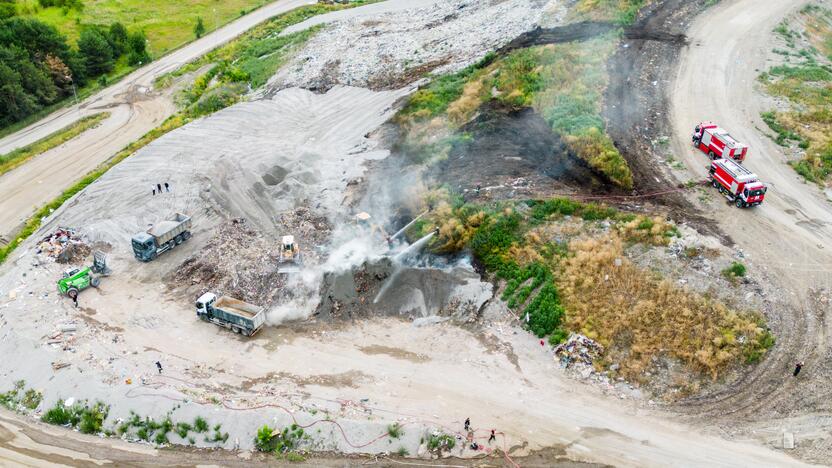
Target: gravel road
135, 111
787, 239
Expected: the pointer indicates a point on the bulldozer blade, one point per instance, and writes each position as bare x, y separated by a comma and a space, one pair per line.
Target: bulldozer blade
288, 268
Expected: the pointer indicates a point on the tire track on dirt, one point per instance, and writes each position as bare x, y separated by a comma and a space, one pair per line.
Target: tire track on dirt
715, 81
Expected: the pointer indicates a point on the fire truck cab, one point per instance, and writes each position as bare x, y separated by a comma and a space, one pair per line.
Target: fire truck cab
737, 183
717, 143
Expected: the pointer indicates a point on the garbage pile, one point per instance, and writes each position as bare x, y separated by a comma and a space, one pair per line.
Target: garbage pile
238, 261
578, 349
65, 245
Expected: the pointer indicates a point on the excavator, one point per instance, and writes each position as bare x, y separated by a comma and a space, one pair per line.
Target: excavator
290, 258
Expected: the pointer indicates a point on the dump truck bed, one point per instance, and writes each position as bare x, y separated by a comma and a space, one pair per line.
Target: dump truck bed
166, 230
238, 307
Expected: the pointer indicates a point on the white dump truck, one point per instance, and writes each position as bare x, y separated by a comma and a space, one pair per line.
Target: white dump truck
161, 237
234, 314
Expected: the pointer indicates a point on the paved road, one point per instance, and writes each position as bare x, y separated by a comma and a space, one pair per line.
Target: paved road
136, 109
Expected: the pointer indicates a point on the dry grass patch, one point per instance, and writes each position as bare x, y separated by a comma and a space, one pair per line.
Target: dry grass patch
621, 11
642, 317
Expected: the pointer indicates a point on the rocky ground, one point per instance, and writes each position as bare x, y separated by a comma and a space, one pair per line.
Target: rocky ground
391, 50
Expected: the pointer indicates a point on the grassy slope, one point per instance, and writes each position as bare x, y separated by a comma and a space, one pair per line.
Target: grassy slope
19, 156
621, 11
805, 82
563, 82
167, 24
562, 273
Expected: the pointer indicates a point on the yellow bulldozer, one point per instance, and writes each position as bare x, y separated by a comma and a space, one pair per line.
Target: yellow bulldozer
290, 258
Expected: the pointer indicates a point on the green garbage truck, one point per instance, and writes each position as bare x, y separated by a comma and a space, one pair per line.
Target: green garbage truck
238, 316
162, 237
76, 280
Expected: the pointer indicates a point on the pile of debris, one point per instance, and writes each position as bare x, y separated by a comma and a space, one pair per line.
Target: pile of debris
578, 349
402, 45
312, 231
65, 245
237, 261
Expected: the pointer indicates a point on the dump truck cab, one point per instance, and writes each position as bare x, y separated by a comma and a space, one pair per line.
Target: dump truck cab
204, 303
144, 246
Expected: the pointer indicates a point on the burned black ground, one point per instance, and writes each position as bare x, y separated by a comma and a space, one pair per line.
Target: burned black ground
516, 155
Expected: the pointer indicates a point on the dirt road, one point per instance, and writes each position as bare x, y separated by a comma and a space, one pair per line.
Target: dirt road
787, 240
136, 109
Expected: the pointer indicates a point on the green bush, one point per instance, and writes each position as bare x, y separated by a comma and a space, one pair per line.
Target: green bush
200, 424
439, 442
61, 415
394, 431
736, 270
92, 418
182, 429
264, 441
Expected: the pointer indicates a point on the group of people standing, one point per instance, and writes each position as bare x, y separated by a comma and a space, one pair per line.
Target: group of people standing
158, 188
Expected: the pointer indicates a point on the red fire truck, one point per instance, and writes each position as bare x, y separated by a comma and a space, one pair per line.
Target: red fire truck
737, 183
717, 142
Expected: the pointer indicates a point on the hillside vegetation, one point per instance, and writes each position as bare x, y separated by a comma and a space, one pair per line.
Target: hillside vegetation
623, 12
805, 82
563, 267
564, 83
167, 24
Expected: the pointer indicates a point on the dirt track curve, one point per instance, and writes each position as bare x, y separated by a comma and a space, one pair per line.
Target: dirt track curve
787, 240
136, 109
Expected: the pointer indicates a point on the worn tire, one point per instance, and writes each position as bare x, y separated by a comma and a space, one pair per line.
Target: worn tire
95, 281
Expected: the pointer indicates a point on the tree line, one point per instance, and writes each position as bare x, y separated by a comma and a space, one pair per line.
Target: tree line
38, 67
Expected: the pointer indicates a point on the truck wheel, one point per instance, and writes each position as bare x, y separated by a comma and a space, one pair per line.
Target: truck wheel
95, 281
178, 239
186, 235
714, 183
72, 293
235, 330
711, 155
740, 203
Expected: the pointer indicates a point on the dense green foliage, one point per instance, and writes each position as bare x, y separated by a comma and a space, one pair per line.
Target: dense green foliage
38, 68
96, 52
88, 419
